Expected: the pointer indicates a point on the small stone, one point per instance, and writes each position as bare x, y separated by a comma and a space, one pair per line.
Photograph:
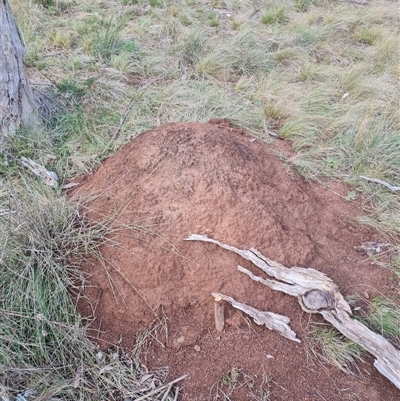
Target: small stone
269, 356
180, 340
197, 348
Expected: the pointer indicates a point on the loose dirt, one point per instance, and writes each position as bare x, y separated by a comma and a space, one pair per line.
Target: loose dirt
213, 179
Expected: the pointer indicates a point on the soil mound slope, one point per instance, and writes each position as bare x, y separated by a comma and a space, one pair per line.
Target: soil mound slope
213, 179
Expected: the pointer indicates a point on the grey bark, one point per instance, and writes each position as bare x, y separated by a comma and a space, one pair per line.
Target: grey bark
17, 104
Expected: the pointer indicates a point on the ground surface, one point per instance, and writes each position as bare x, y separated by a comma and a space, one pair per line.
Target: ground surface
212, 179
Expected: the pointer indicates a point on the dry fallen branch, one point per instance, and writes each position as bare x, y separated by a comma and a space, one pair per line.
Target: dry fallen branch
387, 356
384, 183
272, 321
49, 177
318, 294
300, 282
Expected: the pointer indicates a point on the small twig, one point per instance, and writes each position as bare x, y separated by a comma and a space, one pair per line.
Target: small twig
384, 183
122, 121
167, 392
253, 16
359, 3
157, 390
219, 313
4, 212
150, 82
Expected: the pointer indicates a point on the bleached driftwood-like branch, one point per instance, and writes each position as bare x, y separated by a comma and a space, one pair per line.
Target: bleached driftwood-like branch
387, 360
49, 177
314, 289
317, 293
384, 183
271, 320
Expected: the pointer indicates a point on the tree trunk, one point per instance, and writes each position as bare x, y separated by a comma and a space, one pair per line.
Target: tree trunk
17, 104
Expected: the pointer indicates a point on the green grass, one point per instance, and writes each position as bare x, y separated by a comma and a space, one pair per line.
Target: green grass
323, 75
107, 41
383, 316
43, 342
327, 345
275, 13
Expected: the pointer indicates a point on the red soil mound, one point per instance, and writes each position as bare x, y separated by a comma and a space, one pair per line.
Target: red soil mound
212, 179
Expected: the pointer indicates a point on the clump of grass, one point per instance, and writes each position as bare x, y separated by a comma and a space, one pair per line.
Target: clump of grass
192, 47
156, 3
213, 19
212, 65
329, 346
274, 111
241, 57
107, 40
276, 13
367, 36
44, 348
237, 22
45, 3
383, 316
61, 39
386, 54
303, 5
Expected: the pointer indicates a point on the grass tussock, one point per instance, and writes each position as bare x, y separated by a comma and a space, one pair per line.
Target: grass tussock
381, 315
44, 347
328, 346
323, 75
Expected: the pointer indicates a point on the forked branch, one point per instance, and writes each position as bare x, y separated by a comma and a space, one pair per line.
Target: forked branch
317, 293
271, 320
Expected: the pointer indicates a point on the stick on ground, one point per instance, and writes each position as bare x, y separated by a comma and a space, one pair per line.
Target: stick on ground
317, 293
219, 313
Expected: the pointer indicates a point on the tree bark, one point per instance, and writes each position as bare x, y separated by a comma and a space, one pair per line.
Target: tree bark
17, 104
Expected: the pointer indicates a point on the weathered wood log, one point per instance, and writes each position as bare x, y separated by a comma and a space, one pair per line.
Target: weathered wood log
387, 360
295, 281
271, 320
317, 293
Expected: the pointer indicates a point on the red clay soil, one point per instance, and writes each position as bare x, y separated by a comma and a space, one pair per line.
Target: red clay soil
213, 179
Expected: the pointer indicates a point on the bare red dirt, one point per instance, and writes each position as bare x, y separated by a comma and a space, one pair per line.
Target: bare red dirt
213, 179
